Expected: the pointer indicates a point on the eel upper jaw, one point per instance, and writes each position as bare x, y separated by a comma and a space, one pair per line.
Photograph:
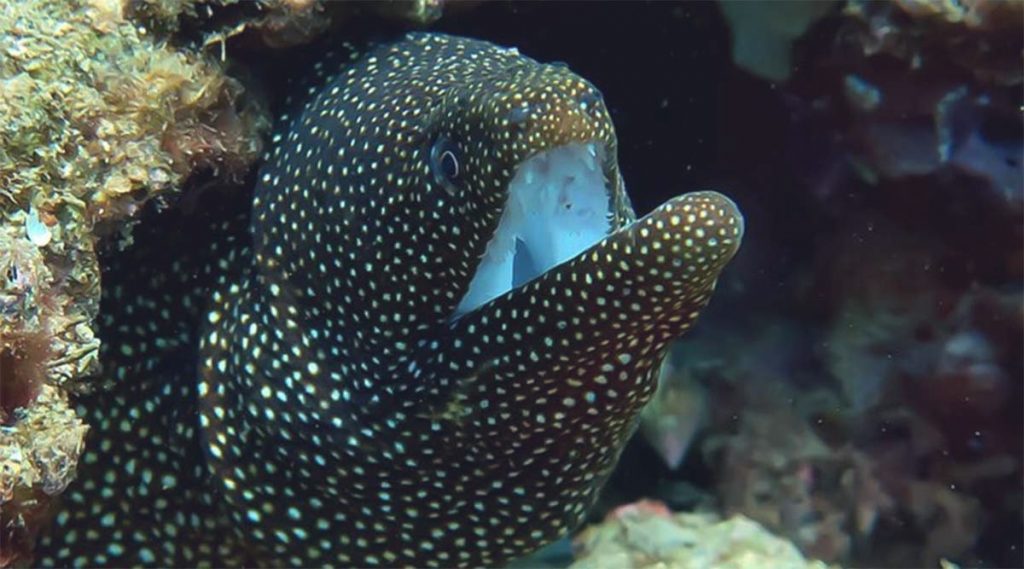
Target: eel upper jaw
559, 204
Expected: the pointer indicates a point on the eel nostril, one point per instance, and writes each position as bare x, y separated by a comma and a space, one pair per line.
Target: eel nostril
589, 99
520, 114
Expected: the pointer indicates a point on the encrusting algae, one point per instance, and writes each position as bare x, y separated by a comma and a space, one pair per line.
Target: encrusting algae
647, 535
97, 116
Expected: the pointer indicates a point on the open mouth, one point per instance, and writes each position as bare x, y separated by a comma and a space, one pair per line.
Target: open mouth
559, 204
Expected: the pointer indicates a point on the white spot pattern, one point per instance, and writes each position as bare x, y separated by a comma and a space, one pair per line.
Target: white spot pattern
343, 417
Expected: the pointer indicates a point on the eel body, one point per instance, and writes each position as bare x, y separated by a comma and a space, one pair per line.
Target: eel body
427, 348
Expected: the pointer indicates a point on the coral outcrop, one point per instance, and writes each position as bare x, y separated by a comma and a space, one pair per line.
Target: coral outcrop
647, 534
883, 428
98, 115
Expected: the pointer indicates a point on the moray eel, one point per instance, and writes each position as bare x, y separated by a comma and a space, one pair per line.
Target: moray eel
429, 348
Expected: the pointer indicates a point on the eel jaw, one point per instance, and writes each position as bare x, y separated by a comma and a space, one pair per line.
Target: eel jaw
559, 204
544, 382
649, 278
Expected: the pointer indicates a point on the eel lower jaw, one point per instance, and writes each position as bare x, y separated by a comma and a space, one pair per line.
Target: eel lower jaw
559, 204
647, 280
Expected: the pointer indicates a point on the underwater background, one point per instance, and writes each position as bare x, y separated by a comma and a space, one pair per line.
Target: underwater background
852, 396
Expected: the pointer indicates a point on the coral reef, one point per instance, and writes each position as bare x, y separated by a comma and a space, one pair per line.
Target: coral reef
277, 24
884, 428
97, 116
930, 363
956, 116
648, 534
892, 439
763, 34
39, 451
884, 487
978, 37
771, 470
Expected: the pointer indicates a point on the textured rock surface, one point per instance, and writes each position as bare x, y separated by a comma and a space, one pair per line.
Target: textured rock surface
97, 116
647, 534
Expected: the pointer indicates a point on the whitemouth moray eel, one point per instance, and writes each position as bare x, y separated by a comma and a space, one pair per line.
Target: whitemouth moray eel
429, 349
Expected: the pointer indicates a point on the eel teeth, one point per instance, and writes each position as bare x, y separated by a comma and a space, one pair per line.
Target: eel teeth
591, 158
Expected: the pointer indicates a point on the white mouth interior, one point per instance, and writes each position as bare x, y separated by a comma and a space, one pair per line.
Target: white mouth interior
558, 206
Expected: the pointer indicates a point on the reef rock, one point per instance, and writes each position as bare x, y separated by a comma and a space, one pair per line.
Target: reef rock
98, 115
647, 534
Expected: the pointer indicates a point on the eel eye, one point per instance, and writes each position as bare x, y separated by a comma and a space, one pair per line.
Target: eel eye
449, 165
446, 163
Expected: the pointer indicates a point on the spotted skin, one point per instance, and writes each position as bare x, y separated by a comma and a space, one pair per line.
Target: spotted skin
340, 415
